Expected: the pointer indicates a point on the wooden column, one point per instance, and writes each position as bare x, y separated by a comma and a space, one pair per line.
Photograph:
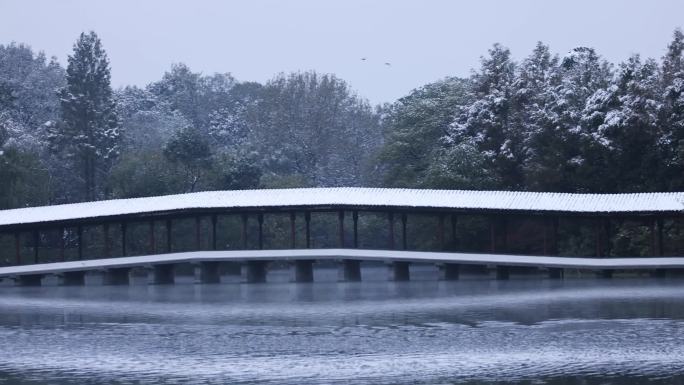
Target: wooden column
307, 219
340, 225
62, 244
152, 245
198, 236
545, 236
214, 243
454, 236
169, 231
17, 247
661, 243
293, 230
404, 235
492, 235
504, 228
355, 218
36, 245
124, 250
107, 242
260, 218
654, 237
600, 238
79, 234
244, 231
550, 233
440, 231
390, 223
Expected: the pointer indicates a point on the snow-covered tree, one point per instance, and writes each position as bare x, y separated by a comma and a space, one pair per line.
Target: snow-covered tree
88, 134
535, 87
490, 120
620, 121
672, 112
582, 73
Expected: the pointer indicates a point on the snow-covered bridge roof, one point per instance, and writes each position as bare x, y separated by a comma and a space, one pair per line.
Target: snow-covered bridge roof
355, 197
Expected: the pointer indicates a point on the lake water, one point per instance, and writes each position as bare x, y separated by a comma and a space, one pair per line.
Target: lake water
588, 331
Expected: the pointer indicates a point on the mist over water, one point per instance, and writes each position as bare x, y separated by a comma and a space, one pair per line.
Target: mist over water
589, 331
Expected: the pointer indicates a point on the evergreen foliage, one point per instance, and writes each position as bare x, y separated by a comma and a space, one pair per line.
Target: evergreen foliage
88, 134
571, 123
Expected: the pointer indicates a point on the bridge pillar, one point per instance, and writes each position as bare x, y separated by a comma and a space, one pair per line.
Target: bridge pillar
161, 274
448, 271
502, 272
107, 241
390, 224
398, 271
79, 234
62, 244
207, 272
254, 271
355, 219
28, 280
293, 232
307, 228
260, 219
169, 231
301, 271
349, 270
340, 228
404, 239
440, 231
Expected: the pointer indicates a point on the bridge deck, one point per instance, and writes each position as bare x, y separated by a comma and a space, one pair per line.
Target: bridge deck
356, 254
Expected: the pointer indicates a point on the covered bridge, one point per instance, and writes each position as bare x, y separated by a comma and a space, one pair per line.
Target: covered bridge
25, 231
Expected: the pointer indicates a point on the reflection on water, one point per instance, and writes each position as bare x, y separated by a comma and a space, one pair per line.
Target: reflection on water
421, 332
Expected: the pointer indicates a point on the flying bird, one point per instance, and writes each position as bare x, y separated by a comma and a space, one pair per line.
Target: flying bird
363, 59
388, 64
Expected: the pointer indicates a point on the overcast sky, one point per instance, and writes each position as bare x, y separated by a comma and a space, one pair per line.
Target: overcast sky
424, 40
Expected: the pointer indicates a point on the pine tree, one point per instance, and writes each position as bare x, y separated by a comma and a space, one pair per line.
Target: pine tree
672, 112
88, 134
489, 122
621, 121
534, 97
583, 72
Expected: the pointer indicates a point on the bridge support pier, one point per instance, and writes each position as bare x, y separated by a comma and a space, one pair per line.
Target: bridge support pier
448, 271
254, 271
28, 280
349, 270
556, 272
398, 271
161, 274
503, 272
208, 272
301, 271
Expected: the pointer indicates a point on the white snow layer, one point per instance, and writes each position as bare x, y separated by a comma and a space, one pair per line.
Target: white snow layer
352, 196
